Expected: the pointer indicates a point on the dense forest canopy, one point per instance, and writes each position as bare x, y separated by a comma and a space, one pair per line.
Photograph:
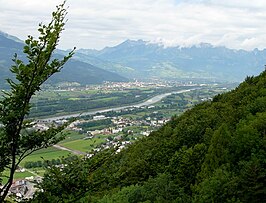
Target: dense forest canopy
214, 152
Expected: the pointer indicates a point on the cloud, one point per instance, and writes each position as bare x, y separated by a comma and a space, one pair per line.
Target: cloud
96, 24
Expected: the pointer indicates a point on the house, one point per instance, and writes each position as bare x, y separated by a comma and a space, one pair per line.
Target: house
95, 132
19, 188
100, 117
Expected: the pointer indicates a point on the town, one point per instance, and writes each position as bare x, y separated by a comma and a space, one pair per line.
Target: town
102, 130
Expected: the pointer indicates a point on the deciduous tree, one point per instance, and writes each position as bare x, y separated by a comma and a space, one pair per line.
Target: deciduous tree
17, 137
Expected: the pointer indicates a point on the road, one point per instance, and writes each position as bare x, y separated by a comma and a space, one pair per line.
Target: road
70, 150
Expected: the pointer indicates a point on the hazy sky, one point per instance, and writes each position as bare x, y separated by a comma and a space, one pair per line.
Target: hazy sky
99, 23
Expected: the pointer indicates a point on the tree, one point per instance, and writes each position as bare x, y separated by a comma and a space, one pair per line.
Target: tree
17, 137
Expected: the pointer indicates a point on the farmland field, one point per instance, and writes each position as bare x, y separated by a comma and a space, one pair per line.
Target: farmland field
55, 102
169, 106
18, 175
46, 154
82, 144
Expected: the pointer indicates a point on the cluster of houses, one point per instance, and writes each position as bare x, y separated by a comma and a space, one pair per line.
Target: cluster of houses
114, 132
22, 189
119, 124
117, 143
128, 85
116, 138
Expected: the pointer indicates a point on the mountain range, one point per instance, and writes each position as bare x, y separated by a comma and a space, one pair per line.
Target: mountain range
138, 59
73, 71
141, 59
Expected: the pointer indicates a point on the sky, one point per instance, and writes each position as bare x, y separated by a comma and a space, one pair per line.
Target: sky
95, 24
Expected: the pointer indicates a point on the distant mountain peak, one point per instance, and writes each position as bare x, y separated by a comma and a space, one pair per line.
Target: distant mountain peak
204, 45
162, 44
8, 36
130, 42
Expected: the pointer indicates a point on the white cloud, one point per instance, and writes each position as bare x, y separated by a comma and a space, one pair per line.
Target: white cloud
95, 24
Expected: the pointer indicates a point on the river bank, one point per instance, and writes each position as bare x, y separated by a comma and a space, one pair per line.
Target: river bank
148, 102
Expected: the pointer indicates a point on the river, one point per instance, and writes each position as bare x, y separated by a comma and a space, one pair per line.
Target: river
148, 102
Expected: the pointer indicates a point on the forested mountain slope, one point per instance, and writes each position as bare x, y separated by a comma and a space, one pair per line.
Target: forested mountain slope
214, 152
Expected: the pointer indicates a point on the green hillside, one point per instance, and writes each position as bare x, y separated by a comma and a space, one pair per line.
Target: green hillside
214, 152
74, 71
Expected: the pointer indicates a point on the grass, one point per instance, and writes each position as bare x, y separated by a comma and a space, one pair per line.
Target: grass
18, 175
47, 154
76, 94
98, 127
22, 175
72, 135
106, 99
83, 145
137, 115
40, 171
